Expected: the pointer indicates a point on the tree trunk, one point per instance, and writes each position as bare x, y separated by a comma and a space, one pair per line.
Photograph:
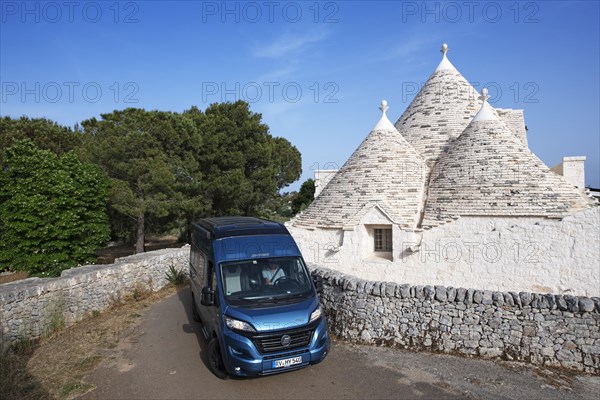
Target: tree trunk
139, 244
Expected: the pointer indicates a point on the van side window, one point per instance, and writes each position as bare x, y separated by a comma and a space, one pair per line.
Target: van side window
211, 281
298, 272
212, 276
197, 258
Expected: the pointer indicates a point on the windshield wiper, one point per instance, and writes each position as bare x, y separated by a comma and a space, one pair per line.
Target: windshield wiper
294, 295
281, 299
243, 299
269, 299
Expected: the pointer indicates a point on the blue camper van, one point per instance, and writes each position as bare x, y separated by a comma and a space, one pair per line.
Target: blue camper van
255, 298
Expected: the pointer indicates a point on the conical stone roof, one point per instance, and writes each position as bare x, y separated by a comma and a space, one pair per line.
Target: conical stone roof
383, 172
489, 171
440, 111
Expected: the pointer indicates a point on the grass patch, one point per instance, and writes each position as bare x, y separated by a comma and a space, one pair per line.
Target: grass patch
140, 291
55, 322
73, 388
55, 366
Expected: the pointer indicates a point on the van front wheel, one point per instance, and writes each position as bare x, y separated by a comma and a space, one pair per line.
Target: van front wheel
215, 359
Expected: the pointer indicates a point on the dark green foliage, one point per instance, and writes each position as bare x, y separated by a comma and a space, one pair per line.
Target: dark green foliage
304, 197
287, 162
169, 169
175, 277
165, 169
244, 167
278, 208
151, 159
52, 210
45, 134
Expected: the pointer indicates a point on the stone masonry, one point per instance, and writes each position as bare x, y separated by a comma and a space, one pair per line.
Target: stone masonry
31, 308
451, 186
488, 171
544, 329
439, 113
515, 121
384, 171
547, 329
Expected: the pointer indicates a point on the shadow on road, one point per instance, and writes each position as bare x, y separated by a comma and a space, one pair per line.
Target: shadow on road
185, 296
17, 382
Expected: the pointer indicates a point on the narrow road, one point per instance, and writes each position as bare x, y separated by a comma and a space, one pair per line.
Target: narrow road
164, 357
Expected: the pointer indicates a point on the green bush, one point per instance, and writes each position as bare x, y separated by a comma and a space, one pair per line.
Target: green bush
175, 277
305, 196
52, 210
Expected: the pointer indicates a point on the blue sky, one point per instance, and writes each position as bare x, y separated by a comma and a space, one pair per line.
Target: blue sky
317, 71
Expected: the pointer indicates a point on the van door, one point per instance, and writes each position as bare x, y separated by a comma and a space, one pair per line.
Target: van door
210, 314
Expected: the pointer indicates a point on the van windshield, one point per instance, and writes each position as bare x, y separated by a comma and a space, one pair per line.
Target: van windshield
255, 283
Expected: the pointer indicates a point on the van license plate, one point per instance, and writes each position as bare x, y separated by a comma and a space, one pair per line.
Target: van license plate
288, 362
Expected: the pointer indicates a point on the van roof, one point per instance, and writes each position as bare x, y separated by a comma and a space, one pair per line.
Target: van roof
220, 227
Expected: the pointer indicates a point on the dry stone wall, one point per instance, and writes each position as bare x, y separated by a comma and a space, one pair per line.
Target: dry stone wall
34, 307
546, 329
554, 330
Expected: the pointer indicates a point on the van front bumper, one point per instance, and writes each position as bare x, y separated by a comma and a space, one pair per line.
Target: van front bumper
243, 358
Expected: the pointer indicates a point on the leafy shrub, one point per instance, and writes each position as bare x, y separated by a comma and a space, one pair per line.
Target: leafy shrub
52, 211
175, 276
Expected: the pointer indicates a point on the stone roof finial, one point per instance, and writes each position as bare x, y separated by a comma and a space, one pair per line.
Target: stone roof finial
484, 95
445, 64
384, 106
384, 122
486, 113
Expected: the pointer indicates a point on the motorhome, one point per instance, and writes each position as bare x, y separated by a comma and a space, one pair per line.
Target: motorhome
254, 295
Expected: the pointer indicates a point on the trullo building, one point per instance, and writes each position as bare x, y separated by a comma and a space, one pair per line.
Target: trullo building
452, 195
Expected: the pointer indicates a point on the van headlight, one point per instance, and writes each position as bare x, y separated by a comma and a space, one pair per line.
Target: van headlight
236, 324
315, 315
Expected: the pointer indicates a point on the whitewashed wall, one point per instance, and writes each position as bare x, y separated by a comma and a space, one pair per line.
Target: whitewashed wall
504, 254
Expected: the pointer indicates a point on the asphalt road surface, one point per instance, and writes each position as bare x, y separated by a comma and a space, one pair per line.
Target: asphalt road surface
164, 357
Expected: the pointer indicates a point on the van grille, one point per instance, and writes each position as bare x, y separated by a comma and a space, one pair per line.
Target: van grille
272, 342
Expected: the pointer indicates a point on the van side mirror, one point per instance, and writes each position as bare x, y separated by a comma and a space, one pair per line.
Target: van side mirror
318, 280
208, 296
